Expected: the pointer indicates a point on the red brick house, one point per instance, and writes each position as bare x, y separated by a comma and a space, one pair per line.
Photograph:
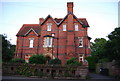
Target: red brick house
61, 38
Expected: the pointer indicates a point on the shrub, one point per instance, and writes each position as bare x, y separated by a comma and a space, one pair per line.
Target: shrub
37, 59
73, 62
55, 61
17, 60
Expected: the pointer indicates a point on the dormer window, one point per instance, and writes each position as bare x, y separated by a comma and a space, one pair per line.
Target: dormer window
31, 42
76, 27
49, 26
64, 27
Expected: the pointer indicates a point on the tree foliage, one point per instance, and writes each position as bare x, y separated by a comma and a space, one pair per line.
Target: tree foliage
37, 59
73, 62
92, 60
98, 47
7, 49
113, 45
107, 50
55, 61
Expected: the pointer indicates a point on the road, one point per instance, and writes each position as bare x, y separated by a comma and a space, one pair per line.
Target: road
93, 77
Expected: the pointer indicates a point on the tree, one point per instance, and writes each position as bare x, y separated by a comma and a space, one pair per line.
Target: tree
7, 49
113, 45
92, 60
107, 50
73, 62
98, 48
55, 61
37, 59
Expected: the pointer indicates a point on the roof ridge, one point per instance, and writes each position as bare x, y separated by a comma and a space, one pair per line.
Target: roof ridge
30, 24
81, 18
49, 16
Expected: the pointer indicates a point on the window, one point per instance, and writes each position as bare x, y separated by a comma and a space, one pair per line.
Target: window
81, 58
80, 42
76, 27
48, 42
31, 42
49, 26
64, 27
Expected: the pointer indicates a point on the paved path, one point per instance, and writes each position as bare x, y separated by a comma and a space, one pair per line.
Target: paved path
94, 77
98, 76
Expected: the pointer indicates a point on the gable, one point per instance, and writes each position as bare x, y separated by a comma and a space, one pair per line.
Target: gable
59, 21
49, 17
31, 30
83, 22
26, 28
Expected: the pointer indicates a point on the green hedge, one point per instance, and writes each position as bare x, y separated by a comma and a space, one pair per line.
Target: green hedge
55, 61
17, 60
37, 59
73, 62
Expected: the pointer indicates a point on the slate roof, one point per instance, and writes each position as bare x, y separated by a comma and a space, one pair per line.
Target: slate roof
84, 21
59, 21
27, 27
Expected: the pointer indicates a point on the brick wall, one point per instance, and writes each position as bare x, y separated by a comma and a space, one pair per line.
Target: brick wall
113, 69
58, 71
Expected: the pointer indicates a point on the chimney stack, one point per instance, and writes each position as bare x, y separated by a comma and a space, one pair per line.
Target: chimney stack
70, 7
41, 20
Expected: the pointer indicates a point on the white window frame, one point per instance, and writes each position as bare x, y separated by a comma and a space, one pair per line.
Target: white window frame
81, 57
80, 42
76, 27
64, 27
49, 26
48, 42
31, 42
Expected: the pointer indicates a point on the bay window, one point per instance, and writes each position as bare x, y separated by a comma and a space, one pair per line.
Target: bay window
47, 42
